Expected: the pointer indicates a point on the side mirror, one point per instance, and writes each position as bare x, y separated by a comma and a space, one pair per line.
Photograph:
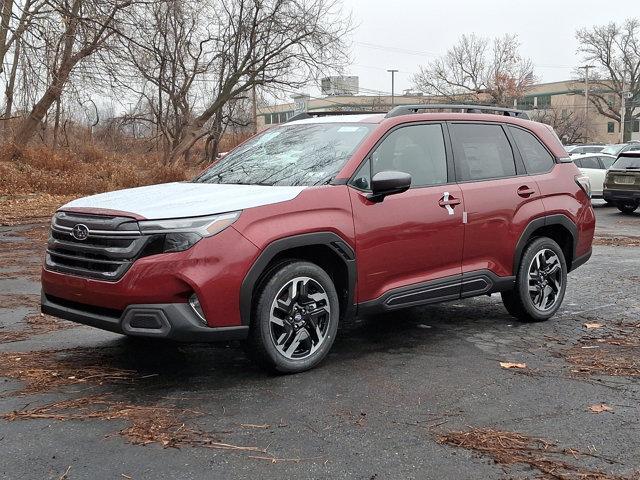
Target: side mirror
388, 183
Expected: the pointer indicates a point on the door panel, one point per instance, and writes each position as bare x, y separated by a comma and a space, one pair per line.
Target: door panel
496, 217
407, 238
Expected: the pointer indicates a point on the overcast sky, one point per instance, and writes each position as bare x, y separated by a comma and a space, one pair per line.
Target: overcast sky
403, 34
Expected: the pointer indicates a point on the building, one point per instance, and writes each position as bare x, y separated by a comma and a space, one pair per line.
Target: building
562, 104
275, 114
566, 101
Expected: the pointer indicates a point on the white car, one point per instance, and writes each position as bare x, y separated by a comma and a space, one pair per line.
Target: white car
582, 149
595, 167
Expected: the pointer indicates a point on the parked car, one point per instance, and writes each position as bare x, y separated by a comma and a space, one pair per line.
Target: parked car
325, 217
617, 149
582, 149
622, 182
595, 167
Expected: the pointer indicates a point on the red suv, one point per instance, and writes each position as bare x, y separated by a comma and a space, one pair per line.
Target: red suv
325, 217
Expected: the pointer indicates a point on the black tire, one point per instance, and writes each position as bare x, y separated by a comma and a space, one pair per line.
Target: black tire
519, 301
627, 207
261, 344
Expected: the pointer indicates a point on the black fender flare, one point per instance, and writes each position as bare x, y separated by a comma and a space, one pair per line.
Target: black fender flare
558, 219
329, 239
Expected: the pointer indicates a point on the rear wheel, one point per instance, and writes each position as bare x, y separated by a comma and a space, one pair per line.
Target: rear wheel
295, 318
627, 207
540, 282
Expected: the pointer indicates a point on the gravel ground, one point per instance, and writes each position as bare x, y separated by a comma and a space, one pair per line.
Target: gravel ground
379, 407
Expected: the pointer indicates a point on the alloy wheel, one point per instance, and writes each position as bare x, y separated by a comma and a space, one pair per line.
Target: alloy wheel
299, 318
545, 279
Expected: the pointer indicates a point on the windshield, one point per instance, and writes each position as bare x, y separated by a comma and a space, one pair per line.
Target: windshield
627, 162
613, 149
292, 155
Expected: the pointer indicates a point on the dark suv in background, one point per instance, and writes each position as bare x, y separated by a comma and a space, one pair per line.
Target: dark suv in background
622, 182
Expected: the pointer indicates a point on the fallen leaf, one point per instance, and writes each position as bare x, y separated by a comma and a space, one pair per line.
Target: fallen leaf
591, 326
600, 407
513, 365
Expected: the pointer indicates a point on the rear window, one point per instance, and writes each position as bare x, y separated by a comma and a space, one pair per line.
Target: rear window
625, 162
588, 162
613, 149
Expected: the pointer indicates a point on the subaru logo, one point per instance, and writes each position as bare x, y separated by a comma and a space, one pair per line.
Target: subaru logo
80, 232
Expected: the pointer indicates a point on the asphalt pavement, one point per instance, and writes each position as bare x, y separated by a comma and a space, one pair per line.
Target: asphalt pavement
380, 406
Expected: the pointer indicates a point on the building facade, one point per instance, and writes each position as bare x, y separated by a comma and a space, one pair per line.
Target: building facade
561, 104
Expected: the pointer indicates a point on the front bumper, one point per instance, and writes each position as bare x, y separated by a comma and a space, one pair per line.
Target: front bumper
174, 321
611, 195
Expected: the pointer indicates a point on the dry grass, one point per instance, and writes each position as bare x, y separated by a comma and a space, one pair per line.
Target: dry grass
613, 356
16, 300
163, 425
37, 324
610, 241
510, 448
45, 370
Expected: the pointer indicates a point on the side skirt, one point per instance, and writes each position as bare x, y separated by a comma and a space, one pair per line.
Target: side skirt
469, 284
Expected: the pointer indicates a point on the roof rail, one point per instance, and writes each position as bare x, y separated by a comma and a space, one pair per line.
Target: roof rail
306, 115
410, 109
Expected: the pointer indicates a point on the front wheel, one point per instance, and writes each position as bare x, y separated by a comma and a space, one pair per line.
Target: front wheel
295, 318
627, 207
540, 283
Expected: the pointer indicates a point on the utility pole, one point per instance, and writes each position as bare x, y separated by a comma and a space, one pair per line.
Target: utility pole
393, 75
586, 101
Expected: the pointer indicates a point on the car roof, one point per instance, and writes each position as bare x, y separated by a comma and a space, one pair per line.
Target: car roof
593, 154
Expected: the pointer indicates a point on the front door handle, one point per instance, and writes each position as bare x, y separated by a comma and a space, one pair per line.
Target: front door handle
525, 191
448, 202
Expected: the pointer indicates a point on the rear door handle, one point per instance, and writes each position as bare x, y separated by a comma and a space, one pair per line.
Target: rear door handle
448, 202
525, 191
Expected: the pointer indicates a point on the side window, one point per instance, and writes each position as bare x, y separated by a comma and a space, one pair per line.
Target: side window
417, 150
578, 163
536, 158
482, 151
590, 162
362, 178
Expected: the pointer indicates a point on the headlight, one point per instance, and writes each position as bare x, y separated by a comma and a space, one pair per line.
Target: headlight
183, 233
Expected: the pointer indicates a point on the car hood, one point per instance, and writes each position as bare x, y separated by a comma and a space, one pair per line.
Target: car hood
184, 199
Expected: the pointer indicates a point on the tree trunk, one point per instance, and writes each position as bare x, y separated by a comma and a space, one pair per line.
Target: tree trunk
30, 124
5, 18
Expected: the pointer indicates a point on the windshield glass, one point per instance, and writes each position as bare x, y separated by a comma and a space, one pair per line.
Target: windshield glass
627, 162
292, 155
613, 149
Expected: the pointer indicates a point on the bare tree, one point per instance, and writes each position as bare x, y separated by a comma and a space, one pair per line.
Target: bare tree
615, 51
569, 125
79, 28
278, 44
477, 69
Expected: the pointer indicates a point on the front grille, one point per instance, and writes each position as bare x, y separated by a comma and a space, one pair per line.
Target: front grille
111, 246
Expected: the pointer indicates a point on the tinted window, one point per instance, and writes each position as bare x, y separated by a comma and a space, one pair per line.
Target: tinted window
578, 163
536, 158
607, 161
362, 178
296, 154
593, 149
590, 162
627, 162
482, 151
417, 150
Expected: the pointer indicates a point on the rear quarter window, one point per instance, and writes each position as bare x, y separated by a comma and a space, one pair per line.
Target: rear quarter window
535, 156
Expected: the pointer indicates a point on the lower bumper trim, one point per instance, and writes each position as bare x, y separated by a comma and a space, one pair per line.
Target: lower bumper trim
173, 321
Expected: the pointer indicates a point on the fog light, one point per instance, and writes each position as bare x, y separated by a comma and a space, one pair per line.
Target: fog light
195, 305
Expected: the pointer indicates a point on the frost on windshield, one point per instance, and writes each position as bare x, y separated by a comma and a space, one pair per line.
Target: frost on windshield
293, 155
